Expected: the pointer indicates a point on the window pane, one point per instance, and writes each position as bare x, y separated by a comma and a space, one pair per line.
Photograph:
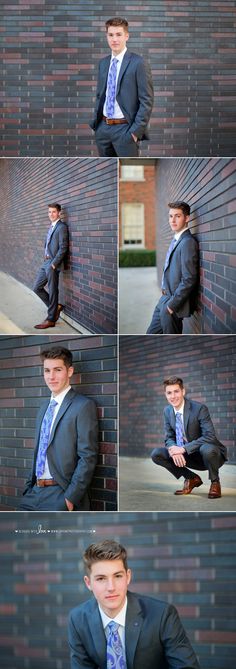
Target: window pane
133, 224
132, 172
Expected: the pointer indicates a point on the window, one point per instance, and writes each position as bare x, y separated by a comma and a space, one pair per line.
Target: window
132, 172
132, 225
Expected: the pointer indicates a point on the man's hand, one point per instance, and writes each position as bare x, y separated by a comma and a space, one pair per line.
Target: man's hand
176, 453
134, 137
53, 266
69, 504
170, 310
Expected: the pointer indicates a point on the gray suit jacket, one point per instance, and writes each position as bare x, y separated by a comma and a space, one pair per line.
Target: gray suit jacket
134, 93
59, 244
198, 427
182, 275
154, 636
73, 447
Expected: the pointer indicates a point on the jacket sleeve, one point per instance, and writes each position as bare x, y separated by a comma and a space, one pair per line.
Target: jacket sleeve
87, 451
145, 96
178, 651
93, 122
206, 429
78, 654
62, 246
189, 274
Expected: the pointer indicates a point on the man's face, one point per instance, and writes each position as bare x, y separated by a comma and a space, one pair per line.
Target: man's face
177, 220
108, 580
175, 395
57, 375
117, 37
53, 214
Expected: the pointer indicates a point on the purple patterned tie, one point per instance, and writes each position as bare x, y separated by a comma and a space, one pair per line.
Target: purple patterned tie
44, 438
115, 652
111, 88
50, 231
179, 429
170, 249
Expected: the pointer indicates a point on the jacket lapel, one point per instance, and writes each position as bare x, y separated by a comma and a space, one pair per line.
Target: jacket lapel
177, 244
133, 625
186, 414
68, 399
97, 633
172, 417
103, 74
124, 65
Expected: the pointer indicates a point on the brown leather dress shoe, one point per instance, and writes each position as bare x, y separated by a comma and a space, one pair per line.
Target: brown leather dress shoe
60, 307
189, 484
215, 490
44, 325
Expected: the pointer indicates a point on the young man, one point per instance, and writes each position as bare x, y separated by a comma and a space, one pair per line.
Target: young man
56, 247
190, 441
66, 442
120, 629
180, 275
124, 98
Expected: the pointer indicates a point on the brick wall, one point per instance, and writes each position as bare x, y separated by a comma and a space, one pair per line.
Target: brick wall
209, 185
87, 190
144, 192
50, 56
22, 389
206, 364
187, 559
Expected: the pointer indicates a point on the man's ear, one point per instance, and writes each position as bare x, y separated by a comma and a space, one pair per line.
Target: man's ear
183, 391
87, 582
129, 576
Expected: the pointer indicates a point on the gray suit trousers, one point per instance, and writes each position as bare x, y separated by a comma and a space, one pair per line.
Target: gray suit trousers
162, 321
48, 275
115, 140
207, 458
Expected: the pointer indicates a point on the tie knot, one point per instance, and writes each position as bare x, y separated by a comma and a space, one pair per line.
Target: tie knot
113, 627
53, 404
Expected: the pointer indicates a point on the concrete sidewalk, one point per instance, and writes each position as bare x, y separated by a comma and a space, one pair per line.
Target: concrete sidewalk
143, 486
21, 309
138, 296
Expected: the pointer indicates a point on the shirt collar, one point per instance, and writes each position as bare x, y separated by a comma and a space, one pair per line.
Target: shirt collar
178, 234
55, 222
119, 619
120, 55
60, 397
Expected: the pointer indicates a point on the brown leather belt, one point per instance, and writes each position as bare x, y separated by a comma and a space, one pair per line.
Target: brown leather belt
44, 482
114, 121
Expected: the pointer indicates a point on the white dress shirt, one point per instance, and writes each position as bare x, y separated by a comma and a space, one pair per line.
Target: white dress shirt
59, 399
119, 619
117, 110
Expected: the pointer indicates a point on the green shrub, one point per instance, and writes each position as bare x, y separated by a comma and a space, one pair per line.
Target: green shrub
137, 258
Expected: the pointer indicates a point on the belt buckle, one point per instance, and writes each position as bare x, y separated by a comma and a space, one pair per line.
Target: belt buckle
107, 121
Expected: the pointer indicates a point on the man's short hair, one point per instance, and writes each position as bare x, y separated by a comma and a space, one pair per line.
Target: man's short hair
58, 352
173, 381
117, 21
104, 550
184, 206
55, 205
